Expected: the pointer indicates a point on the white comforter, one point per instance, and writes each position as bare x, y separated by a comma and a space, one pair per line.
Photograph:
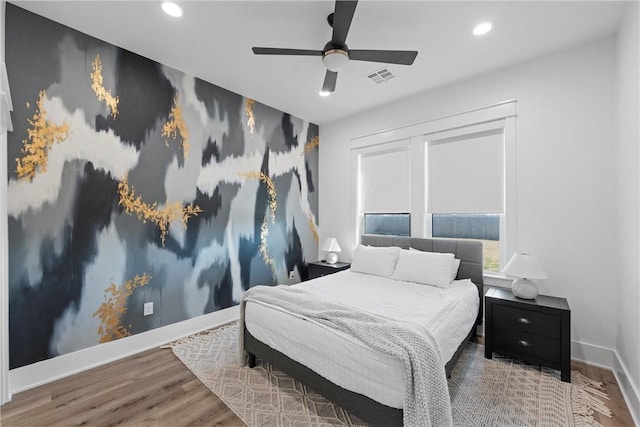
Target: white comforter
405, 301
449, 314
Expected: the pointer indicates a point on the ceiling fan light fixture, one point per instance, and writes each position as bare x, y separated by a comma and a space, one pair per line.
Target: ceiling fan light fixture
482, 29
172, 9
335, 59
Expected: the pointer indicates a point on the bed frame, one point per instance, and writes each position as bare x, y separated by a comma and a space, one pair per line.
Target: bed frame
470, 255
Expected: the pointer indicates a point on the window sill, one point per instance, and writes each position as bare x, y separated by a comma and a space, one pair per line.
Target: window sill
493, 278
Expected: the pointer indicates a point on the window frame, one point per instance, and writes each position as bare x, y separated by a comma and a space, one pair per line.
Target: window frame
501, 114
508, 217
402, 144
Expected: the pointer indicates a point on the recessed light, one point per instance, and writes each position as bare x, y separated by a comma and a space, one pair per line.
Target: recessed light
482, 29
172, 9
324, 93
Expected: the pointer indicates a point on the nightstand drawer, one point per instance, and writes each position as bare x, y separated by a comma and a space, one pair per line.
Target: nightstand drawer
314, 273
526, 320
531, 347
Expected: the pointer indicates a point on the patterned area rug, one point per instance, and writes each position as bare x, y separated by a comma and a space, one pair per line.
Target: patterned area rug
497, 392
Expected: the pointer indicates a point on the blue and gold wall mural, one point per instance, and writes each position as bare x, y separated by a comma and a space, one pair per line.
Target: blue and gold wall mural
131, 182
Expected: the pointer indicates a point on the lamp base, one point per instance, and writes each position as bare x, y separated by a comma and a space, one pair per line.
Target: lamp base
331, 258
524, 288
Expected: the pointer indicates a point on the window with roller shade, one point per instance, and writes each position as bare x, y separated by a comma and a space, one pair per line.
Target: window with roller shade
384, 180
465, 188
455, 175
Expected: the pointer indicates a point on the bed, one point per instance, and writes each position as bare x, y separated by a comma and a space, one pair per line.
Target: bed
365, 382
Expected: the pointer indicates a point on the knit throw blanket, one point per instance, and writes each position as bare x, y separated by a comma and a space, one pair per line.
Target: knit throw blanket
426, 398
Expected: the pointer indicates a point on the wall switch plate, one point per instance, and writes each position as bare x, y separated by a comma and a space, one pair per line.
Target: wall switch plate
148, 308
292, 275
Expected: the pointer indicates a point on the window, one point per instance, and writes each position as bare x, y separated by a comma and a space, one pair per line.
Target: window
448, 175
384, 189
465, 187
385, 180
483, 227
387, 224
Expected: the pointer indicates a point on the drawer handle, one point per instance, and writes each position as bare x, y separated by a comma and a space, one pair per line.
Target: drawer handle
524, 343
524, 321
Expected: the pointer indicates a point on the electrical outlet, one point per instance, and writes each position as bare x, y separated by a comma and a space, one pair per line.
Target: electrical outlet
292, 275
148, 308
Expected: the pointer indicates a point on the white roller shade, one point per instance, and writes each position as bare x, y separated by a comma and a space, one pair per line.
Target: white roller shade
466, 173
385, 181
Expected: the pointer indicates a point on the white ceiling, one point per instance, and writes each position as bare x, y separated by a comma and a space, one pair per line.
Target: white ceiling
213, 41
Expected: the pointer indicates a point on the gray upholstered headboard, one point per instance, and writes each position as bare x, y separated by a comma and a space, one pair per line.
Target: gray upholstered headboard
467, 251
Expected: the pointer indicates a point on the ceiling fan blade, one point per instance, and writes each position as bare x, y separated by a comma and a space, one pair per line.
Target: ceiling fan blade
329, 84
404, 57
280, 51
342, 21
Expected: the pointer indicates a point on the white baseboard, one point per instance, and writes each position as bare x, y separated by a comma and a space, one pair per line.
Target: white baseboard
592, 354
608, 359
629, 389
39, 373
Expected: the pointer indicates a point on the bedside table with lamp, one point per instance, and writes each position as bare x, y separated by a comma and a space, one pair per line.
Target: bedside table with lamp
527, 326
330, 265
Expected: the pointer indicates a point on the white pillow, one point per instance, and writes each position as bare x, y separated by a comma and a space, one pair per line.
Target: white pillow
429, 268
454, 267
379, 261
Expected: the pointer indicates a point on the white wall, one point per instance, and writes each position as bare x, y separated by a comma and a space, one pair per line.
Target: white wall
565, 174
627, 167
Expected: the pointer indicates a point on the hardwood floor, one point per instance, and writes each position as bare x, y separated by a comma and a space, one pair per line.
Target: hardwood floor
155, 389
149, 389
620, 412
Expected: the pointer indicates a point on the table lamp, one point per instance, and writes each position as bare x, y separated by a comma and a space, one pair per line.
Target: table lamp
331, 246
525, 267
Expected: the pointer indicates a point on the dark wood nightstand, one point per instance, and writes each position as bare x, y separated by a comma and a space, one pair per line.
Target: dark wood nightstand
536, 331
321, 268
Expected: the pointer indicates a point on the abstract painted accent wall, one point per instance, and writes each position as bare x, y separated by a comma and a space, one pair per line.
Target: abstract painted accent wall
131, 182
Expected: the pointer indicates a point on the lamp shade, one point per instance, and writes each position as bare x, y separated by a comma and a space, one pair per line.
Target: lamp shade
525, 266
331, 245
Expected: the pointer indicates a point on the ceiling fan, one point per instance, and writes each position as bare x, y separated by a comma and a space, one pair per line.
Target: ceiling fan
336, 54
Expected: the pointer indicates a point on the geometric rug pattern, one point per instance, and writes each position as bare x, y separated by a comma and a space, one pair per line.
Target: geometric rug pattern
484, 392
504, 392
261, 396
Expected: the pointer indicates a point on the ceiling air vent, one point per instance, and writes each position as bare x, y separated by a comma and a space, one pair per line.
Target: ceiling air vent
381, 76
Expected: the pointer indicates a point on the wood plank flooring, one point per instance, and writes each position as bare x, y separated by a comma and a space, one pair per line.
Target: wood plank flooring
155, 389
149, 389
620, 412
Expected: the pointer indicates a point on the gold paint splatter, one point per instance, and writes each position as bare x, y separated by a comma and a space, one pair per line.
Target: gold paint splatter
315, 141
41, 136
273, 206
175, 125
27, 104
114, 307
271, 190
313, 228
146, 212
251, 118
99, 90
264, 248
